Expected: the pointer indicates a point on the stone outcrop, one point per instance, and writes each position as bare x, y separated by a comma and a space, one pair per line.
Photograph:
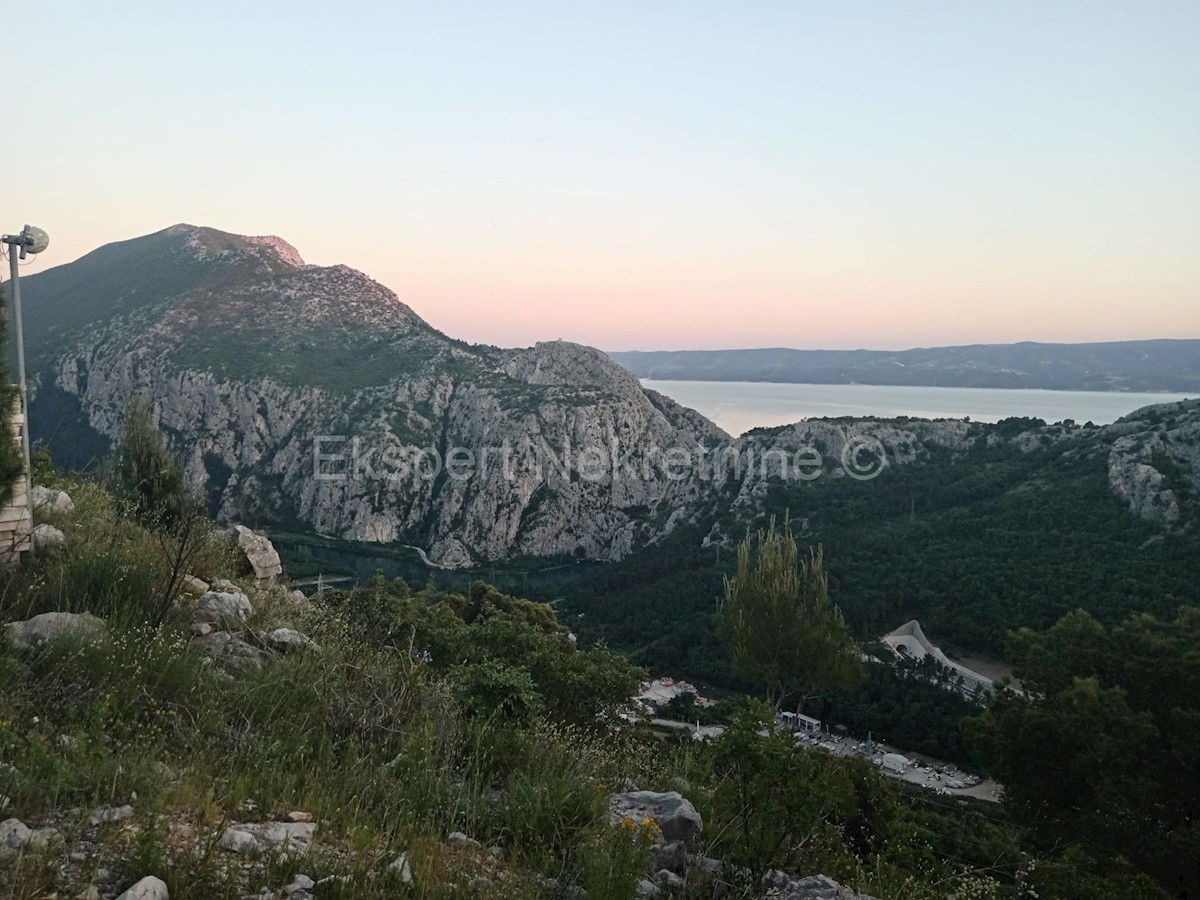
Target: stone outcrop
675, 816
1151, 447
260, 553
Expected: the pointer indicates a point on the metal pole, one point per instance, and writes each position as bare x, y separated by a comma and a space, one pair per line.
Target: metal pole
13, 253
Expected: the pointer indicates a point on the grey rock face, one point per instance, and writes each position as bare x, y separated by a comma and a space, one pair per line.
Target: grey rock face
676, 816
1150, 445
51, 626
262, 421
149, 888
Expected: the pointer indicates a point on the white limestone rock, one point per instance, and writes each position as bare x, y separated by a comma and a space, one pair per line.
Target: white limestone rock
149, 888
226, 604
51, 626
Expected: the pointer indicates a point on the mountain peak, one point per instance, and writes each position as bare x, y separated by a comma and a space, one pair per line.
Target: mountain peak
208, 243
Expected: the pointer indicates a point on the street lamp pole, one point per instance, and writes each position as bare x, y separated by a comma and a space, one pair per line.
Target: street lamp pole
18, 246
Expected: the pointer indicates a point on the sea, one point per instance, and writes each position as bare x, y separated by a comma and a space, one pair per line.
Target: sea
738, 406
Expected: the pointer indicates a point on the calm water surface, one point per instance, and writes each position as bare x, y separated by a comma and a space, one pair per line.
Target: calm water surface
738, 406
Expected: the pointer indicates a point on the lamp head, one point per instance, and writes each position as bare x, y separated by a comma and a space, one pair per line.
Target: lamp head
33, 240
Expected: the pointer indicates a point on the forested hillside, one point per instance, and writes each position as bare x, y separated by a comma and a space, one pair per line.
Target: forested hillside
974, 542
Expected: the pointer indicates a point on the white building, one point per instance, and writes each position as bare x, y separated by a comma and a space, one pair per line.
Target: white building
895, 763
800, 723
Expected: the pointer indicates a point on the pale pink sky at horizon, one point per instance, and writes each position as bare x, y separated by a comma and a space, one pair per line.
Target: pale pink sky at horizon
667, 178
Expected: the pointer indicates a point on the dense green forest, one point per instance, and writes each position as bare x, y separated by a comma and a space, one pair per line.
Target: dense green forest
972, 544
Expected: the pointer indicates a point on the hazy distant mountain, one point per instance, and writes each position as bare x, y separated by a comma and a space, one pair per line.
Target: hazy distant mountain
1160, 365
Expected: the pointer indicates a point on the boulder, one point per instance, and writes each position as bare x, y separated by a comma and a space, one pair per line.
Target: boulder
781, 886
260, 553
47, 536
225, 586
197, 587
16, 836
149, 888
285, 640
44, 499
236, 840
676, 816
221, 646
646, 888
52, 626
227, 604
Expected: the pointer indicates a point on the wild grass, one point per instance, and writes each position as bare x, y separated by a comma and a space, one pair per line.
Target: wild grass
371, 735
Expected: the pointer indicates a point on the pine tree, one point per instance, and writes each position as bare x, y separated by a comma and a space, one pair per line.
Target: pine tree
145, 472
780, 624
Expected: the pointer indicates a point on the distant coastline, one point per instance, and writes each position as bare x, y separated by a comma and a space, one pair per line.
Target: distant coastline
1154, 366
739, 406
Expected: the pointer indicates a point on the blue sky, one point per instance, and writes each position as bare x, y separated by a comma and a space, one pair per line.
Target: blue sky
650, 175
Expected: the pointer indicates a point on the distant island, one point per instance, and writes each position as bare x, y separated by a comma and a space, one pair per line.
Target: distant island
1155, 365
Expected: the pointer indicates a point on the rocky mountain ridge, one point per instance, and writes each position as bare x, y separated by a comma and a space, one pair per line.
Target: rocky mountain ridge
252, 362
312, 397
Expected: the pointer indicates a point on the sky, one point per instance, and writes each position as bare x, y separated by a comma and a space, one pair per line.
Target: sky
645, 175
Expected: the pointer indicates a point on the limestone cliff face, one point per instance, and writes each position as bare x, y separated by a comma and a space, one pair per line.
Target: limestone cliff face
257, 376
1151, 448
